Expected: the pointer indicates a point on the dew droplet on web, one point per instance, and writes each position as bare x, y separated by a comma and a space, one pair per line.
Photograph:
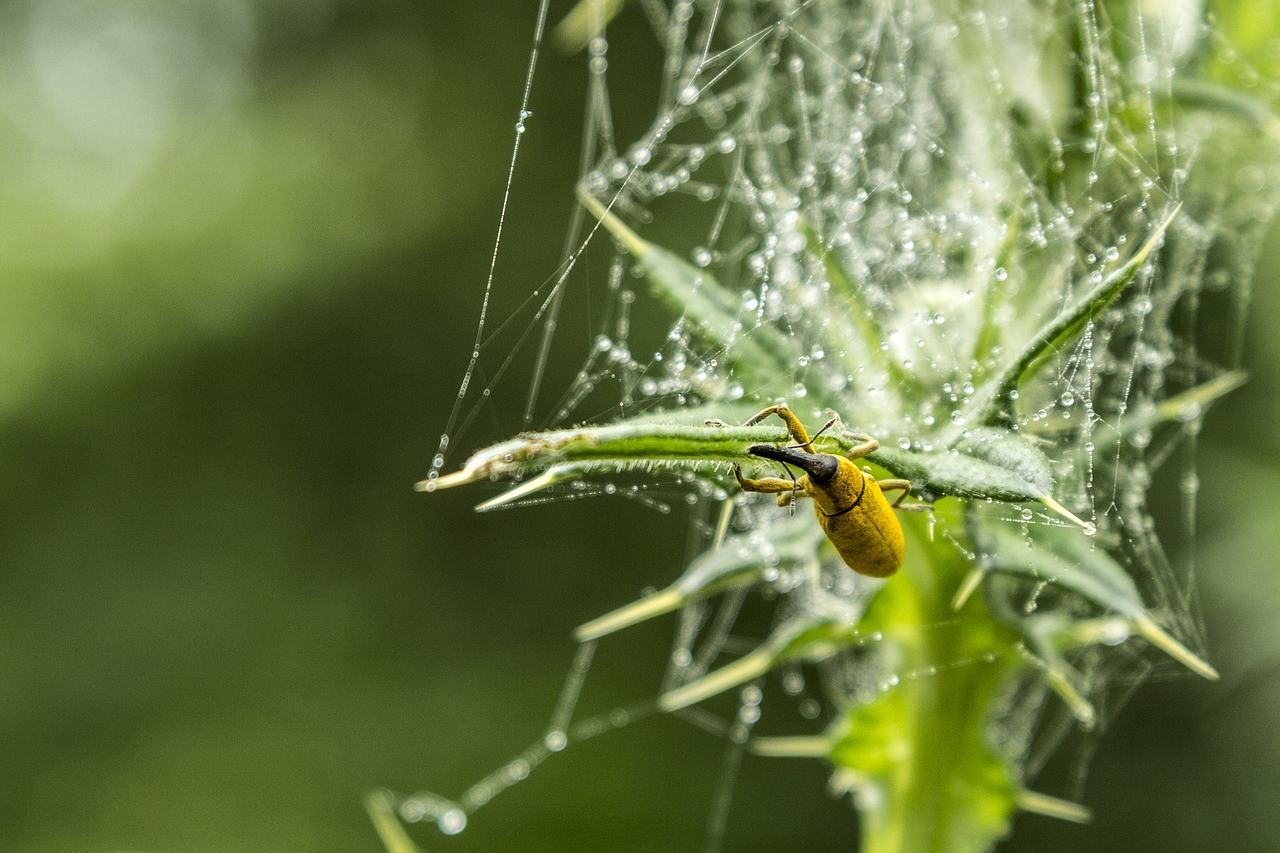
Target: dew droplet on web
452, 822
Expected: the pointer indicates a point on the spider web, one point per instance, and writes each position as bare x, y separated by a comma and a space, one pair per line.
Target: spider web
971, 166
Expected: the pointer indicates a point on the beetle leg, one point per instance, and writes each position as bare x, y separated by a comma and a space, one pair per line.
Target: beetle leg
905, 487
795, 429
893, 486
766, 485
869, 445
786, 490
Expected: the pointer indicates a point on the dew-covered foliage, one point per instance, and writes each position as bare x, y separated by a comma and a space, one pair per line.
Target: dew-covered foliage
1012, 241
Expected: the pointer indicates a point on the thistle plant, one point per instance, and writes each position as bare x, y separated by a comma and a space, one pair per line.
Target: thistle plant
984, 234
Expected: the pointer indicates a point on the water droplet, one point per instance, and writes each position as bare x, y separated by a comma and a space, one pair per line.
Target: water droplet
452, 822
1143, 69
1113, 632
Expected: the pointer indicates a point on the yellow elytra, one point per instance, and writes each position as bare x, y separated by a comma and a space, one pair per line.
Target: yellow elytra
850, 503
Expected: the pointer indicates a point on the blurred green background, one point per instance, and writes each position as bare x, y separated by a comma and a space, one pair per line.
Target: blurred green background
242, 246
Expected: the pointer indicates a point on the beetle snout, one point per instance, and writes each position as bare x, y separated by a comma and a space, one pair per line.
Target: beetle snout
820, 467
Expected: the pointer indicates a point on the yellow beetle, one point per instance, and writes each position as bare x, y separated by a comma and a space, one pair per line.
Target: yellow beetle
850, 503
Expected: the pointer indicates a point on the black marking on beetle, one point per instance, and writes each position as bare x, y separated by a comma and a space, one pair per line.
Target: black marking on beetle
853, 505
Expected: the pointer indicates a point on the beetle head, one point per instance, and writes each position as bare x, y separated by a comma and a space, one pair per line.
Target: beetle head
820, 467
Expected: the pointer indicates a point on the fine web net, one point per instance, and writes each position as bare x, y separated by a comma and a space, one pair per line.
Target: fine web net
898, 191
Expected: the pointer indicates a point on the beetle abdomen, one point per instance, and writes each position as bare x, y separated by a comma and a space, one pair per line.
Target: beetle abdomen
860, 523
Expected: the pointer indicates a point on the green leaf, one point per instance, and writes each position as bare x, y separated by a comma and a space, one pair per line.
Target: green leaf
1203, 93
1059, 332
618, 447
764, 358
856, 306
812, 638
988, 464
1183, 407
1068, 559
740, 561
995, 295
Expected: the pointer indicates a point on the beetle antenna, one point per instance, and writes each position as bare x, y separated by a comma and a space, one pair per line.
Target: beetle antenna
828, 425
795, 485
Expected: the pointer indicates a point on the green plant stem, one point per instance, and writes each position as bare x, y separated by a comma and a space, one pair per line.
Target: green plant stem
924, 776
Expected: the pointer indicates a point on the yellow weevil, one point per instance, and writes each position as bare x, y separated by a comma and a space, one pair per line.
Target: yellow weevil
850, 503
